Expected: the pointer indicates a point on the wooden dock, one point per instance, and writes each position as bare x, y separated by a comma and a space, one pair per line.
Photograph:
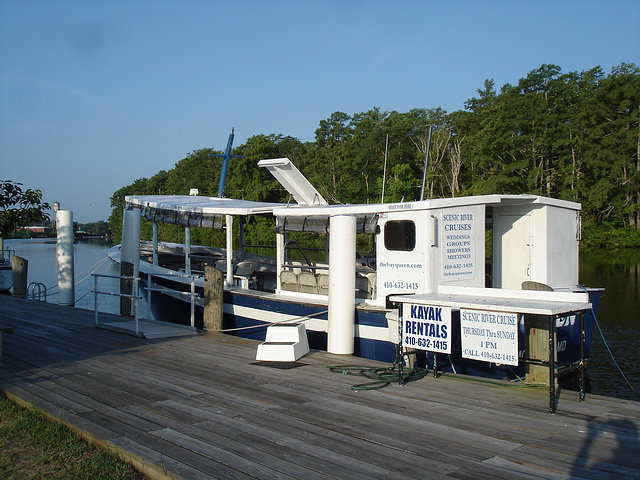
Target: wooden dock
201, 407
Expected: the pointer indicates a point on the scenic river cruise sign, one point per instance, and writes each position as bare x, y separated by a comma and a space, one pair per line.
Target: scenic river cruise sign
426, 327
489, 336
458, 254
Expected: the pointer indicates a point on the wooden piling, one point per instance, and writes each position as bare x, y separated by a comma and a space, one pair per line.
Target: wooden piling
126, 287
20, 267
537, 340
537, 348
213, 301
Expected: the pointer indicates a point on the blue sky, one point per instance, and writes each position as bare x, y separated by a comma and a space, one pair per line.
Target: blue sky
95, 94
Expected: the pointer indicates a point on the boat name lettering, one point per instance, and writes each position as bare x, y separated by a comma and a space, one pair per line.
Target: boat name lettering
566, 321
399, 265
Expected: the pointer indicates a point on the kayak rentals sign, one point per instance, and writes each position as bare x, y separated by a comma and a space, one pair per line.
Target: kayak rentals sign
426, 327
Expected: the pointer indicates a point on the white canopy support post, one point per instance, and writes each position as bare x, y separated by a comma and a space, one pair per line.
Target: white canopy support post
64, 227
130, 257
342, 285
280, 256
241, 240
229, 226
187, 250
155, 242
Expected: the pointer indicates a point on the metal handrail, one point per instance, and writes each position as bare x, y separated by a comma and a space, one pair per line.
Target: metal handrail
293, 243
192, 293
134, 296
39, 289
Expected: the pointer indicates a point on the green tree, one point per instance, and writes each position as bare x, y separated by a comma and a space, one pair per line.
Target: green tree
249, 182
612, 145
325, 165
197, 170
18, 208
574, 136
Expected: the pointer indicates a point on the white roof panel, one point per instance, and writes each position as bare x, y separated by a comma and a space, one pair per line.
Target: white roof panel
207, 206
290, 178
436, 203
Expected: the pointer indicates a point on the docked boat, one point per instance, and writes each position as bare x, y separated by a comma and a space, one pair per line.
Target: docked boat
6, 275
339, 292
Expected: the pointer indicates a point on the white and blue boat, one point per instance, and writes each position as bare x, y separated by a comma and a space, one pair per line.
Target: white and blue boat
340, 294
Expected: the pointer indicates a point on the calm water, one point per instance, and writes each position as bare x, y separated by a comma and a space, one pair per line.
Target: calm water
90, 256
619, 317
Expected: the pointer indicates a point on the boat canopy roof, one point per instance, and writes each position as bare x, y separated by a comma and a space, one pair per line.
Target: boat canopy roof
195, 211
438, 203
199, 211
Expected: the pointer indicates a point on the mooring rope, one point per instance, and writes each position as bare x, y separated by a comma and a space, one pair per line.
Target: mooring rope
263, 325
609, 350
97, 266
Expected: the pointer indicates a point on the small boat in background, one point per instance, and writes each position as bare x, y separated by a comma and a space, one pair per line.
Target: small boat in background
6, 272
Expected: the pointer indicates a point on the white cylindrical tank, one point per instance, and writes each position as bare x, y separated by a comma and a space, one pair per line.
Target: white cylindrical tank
342, 284
129, 258
131, 239
229, 227
64, 249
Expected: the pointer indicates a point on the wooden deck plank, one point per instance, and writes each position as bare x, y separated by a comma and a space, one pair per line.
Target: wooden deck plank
561, 463
183, 462
245, 457
201, 407
329, 452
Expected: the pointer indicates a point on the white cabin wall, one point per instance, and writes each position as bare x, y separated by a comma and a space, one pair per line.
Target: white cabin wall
403, 271
562, 254
434, 260
537, 243
512, 246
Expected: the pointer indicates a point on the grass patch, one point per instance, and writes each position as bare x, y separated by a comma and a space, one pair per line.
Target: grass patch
32, 447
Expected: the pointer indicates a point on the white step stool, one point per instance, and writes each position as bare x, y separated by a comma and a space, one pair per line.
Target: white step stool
284, 343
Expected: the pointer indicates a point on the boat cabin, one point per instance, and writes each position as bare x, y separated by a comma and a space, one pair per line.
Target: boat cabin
493, 241
497, 241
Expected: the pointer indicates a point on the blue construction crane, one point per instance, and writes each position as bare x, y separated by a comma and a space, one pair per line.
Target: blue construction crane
225, 163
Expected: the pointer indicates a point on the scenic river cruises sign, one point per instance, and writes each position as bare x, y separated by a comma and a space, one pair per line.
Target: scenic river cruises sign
489, 336
426, 327
459, 245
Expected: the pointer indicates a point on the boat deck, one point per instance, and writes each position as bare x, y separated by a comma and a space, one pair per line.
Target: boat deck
201, 407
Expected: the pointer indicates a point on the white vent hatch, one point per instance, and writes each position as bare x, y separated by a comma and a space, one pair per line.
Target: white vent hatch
290, 178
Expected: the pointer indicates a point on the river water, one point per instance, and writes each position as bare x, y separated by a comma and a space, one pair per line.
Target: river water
618, 317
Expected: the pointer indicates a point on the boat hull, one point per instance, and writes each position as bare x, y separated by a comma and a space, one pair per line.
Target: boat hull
248, 313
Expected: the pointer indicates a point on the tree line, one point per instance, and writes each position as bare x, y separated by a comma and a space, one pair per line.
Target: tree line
573, 136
